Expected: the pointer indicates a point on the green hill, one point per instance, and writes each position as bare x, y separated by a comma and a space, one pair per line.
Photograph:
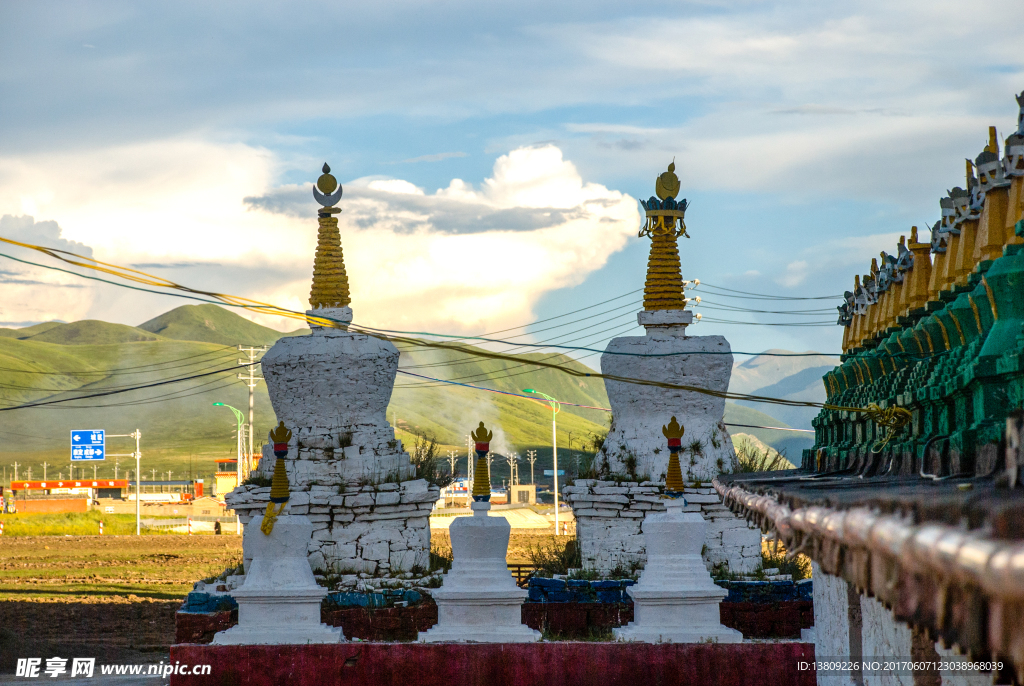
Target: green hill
28, 331
90, 332
210, 324
183, 432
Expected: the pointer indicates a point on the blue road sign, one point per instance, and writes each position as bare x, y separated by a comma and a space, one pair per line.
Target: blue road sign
551, 472
87, 446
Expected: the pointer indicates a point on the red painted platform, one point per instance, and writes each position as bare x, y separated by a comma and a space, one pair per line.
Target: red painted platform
498, 664
560, 621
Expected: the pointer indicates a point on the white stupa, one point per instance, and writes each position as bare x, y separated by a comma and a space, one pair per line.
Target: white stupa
675, 601
279, 603
479, 600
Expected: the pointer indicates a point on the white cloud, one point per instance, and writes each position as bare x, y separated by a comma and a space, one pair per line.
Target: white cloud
466, 258
416, 261
795, 274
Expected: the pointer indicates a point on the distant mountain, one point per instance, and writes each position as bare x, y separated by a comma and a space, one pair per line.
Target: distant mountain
28, 331
210, 324
89, 332
766, 370
789, 378
183, 430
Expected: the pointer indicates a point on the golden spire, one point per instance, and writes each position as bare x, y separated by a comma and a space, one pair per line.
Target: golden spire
279, 488
663, 289
674, 475
330, 281
481, 474
993, 141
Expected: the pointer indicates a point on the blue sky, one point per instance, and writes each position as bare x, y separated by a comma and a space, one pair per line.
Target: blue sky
808, 137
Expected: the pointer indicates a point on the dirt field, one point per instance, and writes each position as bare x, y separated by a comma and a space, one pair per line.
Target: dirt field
114, 597
109, 597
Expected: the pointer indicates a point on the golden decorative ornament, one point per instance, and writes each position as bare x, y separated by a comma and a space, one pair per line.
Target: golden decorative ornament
280, 435
481, 478
673, 429
330, 280
482, 435
665, 222
667, 185
279, 494
327, 183
481, 473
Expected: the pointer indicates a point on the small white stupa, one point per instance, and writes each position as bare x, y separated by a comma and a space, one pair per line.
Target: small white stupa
675, 601
479, 600
280, 600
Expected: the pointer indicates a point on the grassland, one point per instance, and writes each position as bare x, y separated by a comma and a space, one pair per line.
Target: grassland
183, 433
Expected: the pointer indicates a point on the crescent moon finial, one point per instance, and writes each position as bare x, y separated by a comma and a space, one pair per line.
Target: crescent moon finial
327, 190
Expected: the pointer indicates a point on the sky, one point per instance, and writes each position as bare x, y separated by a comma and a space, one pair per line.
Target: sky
491, 154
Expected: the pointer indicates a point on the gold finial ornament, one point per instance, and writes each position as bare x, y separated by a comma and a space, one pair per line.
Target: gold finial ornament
673, 431
481, 474
482, 435
330, 280
280, 435
663, 289
327, 183
279, 494
667, 185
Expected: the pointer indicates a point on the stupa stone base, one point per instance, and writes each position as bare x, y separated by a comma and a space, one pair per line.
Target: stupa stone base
346, 469
675, 600
279, 603
639, 412
609, 516
379, 529
479, 600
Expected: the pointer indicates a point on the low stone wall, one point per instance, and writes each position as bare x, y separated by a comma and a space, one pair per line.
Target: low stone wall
381, 529
485, 664
609, 516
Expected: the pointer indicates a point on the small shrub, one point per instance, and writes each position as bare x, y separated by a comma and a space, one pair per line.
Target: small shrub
555, 557
428, 464
440, 558
750, 459
257, 479
799, 566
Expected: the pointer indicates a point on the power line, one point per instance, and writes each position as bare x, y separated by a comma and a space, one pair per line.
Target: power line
765, 296
84, 389
125, 390
122, 370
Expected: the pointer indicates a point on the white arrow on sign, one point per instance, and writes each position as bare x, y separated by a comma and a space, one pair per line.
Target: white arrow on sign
77, 437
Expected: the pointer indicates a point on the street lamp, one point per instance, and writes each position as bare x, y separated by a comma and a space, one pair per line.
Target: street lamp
238, 433
556, 407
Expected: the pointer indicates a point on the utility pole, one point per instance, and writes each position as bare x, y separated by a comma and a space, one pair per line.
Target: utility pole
137, 434
531, 456
452, 459
44, 471
251, 379
15, 471
470, 464
30, 473
94, 471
